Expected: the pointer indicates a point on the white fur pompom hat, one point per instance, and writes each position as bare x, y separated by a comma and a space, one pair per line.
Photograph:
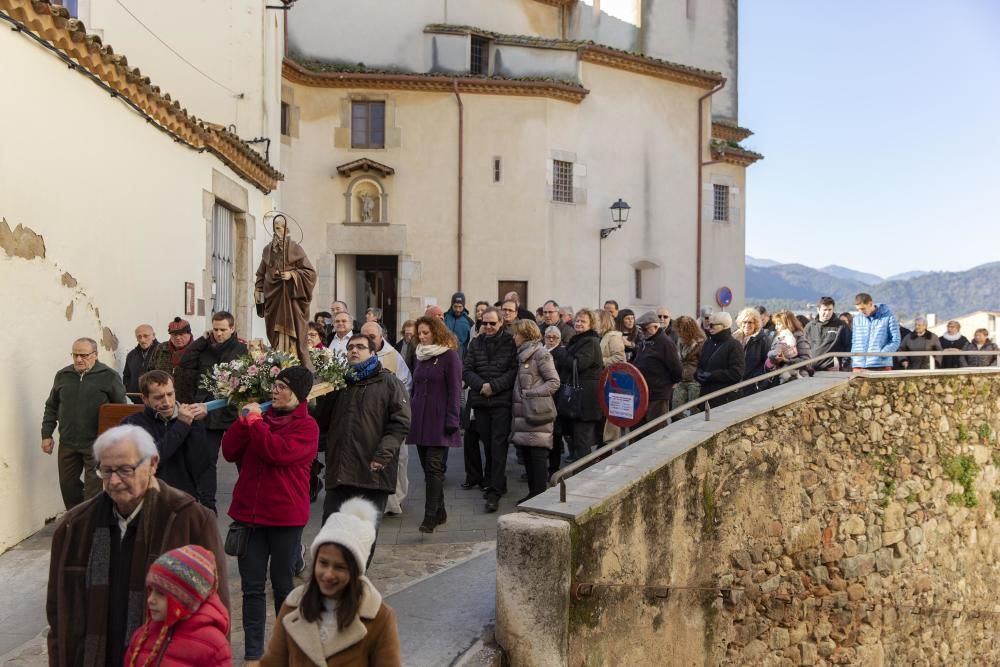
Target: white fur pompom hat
352, 527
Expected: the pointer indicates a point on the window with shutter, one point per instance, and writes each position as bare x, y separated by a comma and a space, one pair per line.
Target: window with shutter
367, 124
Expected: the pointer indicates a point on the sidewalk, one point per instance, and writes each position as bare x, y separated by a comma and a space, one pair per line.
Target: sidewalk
404, 558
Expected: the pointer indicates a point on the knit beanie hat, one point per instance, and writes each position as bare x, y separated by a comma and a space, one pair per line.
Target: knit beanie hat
299, 379
187, 577
352, 527
458, 297
179, 326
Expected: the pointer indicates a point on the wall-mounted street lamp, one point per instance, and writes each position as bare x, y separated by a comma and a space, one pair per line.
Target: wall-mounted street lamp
619, 216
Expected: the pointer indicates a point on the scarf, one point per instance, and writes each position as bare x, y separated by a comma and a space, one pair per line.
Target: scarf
951, 337
364, 370
177, 352
425, 352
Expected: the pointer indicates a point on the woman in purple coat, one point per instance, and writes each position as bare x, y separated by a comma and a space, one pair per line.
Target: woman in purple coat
435, 409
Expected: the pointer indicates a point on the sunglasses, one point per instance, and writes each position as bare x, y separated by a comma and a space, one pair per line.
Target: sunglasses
490, 324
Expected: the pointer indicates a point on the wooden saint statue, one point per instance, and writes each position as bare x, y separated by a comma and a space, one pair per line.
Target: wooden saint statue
284, 287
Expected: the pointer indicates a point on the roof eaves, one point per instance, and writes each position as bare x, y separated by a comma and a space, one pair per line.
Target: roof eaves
327, 75
729, 131
733, 153
53, 24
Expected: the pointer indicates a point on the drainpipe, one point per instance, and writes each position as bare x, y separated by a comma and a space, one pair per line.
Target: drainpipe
700, 164
461, 128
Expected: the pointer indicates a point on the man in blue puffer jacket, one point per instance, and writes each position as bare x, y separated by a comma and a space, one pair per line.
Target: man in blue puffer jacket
875, 329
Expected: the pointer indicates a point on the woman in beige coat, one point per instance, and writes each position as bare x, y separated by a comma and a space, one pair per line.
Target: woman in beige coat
533, 409
613, 352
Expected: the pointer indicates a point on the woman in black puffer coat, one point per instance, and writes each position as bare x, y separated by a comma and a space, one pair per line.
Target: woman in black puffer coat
585, 350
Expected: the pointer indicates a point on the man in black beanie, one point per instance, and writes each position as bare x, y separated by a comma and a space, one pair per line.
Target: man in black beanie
459, 322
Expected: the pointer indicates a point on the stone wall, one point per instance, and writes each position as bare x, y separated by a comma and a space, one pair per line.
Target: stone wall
857, 526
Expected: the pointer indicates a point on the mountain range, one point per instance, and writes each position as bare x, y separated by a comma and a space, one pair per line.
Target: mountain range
944, 293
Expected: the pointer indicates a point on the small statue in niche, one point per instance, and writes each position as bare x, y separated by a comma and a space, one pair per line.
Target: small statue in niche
367, 207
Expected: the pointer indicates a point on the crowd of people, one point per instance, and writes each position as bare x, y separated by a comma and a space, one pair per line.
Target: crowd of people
138, 572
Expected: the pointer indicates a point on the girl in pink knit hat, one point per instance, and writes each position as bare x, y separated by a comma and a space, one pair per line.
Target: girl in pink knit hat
186, 621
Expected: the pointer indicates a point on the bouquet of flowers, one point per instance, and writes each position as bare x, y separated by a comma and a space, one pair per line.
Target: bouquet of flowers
329, 366
249, 378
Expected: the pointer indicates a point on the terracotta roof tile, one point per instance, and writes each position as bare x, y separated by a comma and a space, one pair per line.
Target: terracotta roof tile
53, 24
727, 130
733, 153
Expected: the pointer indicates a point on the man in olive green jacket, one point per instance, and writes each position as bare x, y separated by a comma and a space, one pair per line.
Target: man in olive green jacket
78, 392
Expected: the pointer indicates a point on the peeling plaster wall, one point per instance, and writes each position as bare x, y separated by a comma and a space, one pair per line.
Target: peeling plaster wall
120, 210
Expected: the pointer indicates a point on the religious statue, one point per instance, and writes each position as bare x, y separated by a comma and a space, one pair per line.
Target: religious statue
285, 282
367, 207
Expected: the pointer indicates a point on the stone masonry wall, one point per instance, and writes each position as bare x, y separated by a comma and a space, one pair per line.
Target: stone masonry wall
856, 527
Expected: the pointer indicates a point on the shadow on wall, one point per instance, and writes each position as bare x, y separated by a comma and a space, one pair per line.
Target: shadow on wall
45, 310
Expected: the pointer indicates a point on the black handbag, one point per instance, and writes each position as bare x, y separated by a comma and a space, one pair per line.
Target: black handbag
237, 539
570, 397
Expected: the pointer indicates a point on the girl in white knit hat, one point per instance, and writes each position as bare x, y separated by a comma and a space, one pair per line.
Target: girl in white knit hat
337, 618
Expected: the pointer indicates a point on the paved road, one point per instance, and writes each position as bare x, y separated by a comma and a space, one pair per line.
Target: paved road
403, 558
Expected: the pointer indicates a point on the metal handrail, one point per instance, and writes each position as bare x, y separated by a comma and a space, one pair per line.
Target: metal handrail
560, 475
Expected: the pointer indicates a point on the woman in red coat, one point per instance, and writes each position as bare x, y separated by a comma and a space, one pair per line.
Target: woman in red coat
435, 409
274, 452
186, 622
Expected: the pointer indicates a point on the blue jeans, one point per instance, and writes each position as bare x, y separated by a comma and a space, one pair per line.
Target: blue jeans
281, 545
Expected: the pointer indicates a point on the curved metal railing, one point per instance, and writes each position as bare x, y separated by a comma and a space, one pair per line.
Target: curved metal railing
560, 476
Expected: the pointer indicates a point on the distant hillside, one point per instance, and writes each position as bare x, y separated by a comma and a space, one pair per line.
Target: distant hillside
908, 275
850, 274
947, 294
756, 261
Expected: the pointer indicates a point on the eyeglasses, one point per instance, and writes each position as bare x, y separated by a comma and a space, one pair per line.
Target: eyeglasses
81, 356
124, 472
664, 317
358, 346
490, 324
281, 386
509, 310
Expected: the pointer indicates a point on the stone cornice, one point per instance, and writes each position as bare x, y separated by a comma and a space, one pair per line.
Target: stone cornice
661, 69
736, 155
53, 24
433, 83
729, 131
364, 164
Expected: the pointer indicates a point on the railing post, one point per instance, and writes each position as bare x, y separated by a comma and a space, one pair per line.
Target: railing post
708, 411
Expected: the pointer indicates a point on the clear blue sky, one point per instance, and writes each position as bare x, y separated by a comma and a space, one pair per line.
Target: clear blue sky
877, 119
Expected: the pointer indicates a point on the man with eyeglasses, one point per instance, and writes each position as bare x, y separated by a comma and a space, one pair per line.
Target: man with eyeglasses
522, 312
366, 424
666, 324
74, 404
102, 548
658, 360
551, 318
509, 312
490, 368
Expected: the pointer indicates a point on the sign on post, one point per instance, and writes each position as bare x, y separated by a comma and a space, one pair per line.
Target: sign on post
624, 395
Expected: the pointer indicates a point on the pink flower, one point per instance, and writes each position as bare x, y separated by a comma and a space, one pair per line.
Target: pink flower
252, 370
274, 371
234, 382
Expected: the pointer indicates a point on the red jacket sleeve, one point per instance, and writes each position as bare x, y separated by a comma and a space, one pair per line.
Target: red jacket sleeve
235, 441
294, 445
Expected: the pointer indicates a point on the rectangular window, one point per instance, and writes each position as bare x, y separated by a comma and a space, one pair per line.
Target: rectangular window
368, 125
223, 232
562, 181
286, 112
720, 203
497, 170
479, 63
638, 285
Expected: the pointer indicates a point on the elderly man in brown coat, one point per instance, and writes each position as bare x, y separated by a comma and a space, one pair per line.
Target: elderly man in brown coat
283, 291
102, 549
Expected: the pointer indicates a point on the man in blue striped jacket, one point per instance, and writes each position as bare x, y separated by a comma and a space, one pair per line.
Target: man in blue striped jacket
875, 329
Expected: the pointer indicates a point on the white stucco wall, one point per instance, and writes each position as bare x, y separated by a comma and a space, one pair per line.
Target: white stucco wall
389, 33
238, 44
122, 208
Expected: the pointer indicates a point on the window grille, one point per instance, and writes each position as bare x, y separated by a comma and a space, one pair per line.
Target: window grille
479, 63
638, 285
720, 204
368, 125
223, 231
562, 181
